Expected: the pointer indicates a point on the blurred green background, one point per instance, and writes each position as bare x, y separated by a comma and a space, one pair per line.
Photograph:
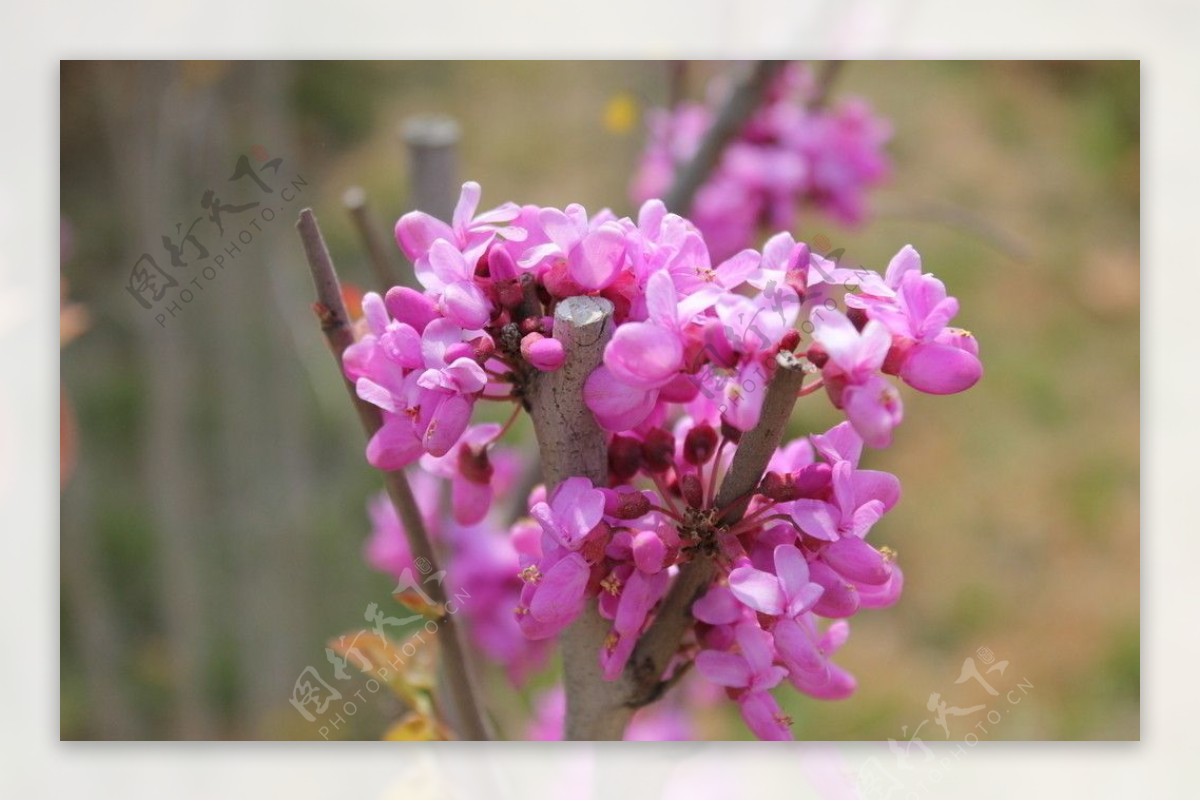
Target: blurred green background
212, 525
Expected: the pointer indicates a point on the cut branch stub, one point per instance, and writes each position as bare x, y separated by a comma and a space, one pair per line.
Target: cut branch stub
573, 444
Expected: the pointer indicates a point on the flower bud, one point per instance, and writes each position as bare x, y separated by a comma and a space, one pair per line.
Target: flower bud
817, 355
483, 348
474, 464
628, 505
700, 444
658, 450
812, 481
778, 488
692, 490
790, 340
509, 293
501, 266
542, 352
624, 457
410, 306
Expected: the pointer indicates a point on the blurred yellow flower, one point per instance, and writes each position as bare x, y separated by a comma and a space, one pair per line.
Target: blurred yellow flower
620, 113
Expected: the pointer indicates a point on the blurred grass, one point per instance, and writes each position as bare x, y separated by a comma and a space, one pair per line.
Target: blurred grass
1018, 529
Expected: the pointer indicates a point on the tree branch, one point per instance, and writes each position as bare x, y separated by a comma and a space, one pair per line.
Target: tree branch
379, 253
661, 641
335, 324
733, 115
572, 444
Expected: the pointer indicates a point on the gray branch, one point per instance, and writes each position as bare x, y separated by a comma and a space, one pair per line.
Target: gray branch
335, 323
733, 115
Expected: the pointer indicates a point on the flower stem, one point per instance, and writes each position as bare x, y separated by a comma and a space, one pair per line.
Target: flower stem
335, 324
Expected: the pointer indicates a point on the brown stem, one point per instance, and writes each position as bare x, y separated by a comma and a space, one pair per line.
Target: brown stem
826, 77
335, 324
661, 641
379, 252
737, 109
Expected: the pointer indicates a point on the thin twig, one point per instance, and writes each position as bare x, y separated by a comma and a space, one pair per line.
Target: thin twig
381, 256
824, 84
659, 644
737, 109
335, 324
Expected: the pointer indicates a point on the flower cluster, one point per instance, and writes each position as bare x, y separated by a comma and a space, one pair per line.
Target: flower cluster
696, 345
790, 153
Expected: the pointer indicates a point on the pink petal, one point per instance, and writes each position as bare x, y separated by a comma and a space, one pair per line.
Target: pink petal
448, 423
376, 395
875, 485
757, 589
816, 518
884, 595
558, 597
723, 668
857, 561
764, 717
662, 301
417, 231
795, 645
840, 599
467, 376
734, 271
644, 355
468, 202
438, 337
470, 501
717, 607
410, 306
648, 551
940, 369
578, 508
839, 443
394, 445
467, 305
906, 261
594, 262
617, 406
874, 408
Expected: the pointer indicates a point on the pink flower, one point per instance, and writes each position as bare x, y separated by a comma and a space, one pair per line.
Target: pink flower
750, 672
416, 232
592, 250
787, 592
851, 374
575, 508
469, 470
928, 355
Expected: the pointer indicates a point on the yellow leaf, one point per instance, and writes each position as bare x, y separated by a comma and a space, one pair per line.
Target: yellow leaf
408, 668
415, 726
